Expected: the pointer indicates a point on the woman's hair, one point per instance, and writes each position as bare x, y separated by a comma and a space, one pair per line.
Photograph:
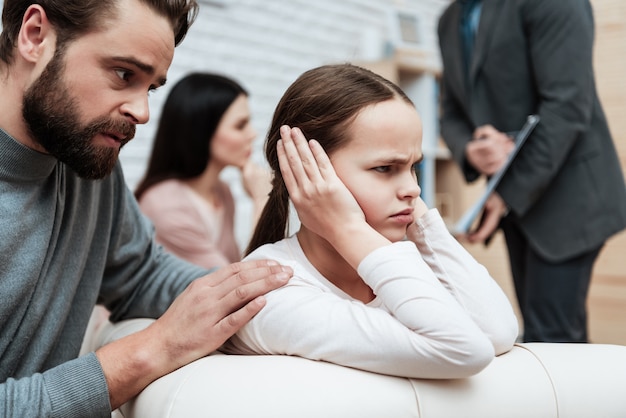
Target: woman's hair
73, 18
323, 103
189, 118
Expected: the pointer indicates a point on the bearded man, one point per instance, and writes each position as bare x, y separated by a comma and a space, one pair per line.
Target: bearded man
75, 76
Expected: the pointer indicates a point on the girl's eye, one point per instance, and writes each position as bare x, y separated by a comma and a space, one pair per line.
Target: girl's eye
415, 170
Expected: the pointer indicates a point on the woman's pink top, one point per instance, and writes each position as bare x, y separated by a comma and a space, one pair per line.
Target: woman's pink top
188, 226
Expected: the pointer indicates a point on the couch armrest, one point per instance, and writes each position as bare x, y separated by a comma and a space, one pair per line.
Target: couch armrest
588, 379
532, 380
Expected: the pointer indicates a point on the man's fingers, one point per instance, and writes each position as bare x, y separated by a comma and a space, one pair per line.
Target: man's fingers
249, 285
257, 275
244, 294
493, 212
487, 227
237, 319
484, 131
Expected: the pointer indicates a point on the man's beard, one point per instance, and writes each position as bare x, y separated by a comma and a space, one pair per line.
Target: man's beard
51, 115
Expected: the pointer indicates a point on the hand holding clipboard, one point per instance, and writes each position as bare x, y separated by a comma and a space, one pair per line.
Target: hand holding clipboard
464, 224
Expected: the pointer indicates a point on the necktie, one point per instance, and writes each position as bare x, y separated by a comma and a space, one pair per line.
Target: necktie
468, 30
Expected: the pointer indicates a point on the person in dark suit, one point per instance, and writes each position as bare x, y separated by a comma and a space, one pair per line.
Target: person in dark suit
564, 194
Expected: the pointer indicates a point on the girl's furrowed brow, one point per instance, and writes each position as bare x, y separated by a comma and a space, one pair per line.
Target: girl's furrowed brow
392, 160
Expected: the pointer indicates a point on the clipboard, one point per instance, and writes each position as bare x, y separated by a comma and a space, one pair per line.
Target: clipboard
464, 223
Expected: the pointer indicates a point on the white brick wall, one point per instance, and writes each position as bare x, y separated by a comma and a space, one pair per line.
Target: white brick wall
265, 45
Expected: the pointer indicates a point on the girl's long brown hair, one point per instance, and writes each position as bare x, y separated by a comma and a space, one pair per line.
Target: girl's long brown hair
322, 102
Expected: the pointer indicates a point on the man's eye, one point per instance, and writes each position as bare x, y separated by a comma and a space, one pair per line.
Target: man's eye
123, 74
382, 169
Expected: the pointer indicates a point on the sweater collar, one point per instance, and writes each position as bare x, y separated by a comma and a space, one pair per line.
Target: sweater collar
19, 162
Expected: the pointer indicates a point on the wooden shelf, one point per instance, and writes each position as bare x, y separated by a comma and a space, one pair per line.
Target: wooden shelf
416, 61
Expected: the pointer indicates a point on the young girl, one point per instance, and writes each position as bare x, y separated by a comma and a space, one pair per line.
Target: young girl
379, 283
204, 128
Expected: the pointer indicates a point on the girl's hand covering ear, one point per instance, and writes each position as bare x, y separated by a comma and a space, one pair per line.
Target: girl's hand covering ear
324, 204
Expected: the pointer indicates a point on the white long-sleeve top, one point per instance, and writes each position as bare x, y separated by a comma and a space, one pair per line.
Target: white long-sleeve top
437, 312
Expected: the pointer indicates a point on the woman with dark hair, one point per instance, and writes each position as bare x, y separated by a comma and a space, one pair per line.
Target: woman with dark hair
204, 128
379, 283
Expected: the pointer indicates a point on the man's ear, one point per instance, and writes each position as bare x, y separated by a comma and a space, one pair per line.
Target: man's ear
36, 34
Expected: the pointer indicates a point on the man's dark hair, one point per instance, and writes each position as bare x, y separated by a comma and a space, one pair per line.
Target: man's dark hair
72, 18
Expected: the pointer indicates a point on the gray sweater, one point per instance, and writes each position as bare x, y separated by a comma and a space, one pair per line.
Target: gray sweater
65, 245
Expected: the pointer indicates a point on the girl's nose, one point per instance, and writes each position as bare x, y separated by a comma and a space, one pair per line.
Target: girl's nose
410, 187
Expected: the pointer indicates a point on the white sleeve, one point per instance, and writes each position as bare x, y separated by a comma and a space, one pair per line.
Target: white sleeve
466, 279
427, 335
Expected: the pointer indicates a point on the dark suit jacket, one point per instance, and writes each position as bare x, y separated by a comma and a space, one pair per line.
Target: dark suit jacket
565, 188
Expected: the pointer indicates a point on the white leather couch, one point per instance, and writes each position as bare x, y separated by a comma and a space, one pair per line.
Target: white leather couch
532, 380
